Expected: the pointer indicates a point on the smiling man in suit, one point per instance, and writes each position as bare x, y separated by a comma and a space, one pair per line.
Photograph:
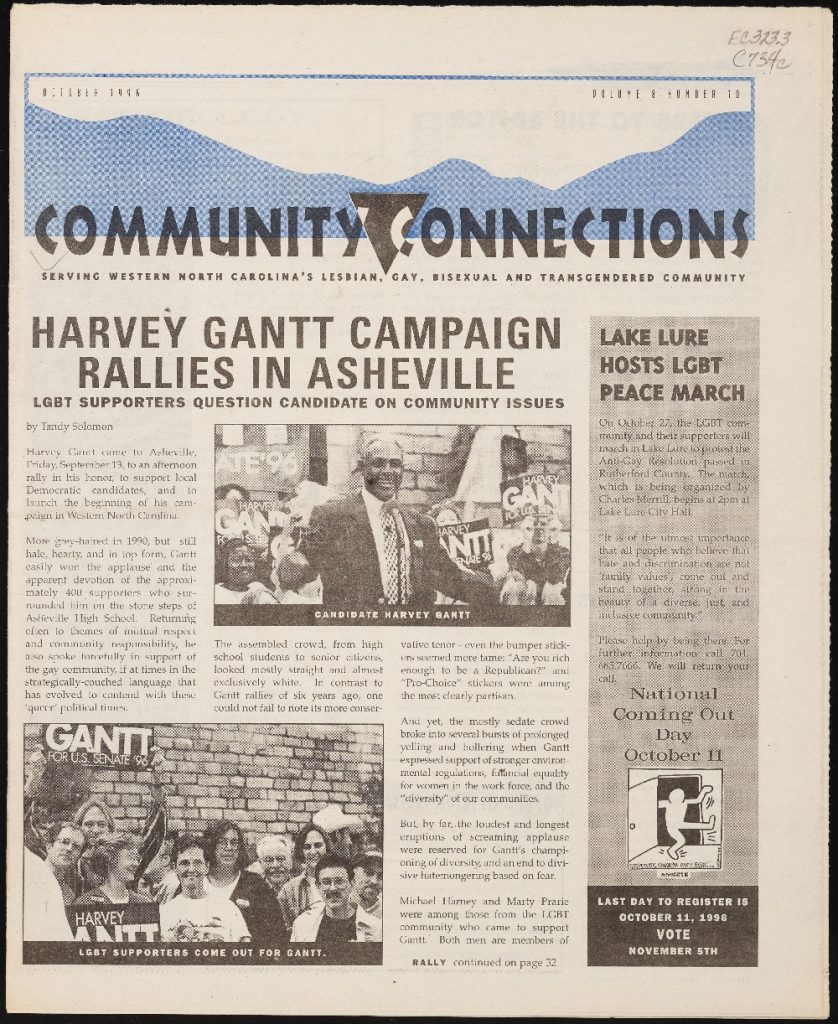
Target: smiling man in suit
370, 550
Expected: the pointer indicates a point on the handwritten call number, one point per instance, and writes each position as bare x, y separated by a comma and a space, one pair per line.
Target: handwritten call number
755, 59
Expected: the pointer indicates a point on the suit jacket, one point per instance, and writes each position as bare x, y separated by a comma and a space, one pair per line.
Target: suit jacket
257, 903
341, 547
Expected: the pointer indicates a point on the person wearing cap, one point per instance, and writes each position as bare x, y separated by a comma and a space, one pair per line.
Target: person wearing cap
337, 919
341, 828
367, 882
371, 550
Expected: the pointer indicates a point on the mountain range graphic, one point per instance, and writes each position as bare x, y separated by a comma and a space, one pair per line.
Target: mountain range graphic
145, 161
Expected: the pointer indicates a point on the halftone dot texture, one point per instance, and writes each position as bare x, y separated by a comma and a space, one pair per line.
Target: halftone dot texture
145, 161
674, 585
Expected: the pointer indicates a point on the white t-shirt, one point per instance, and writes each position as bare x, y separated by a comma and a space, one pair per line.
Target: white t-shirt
203, 920
225, 596
224, 891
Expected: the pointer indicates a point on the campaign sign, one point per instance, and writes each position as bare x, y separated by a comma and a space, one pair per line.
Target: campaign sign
114, 922
260, 467
531, 494
468, 544
254, 522
101, 746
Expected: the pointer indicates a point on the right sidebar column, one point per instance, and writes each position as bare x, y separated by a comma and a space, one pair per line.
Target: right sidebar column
673, 802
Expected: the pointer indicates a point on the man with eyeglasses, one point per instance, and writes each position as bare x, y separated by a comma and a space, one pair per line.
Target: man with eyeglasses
275, 861
337, 919
63, 856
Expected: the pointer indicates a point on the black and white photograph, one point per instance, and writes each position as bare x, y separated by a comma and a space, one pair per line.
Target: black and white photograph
397, 525
223, 843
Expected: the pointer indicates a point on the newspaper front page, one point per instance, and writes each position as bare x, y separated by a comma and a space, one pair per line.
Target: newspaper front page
418, 471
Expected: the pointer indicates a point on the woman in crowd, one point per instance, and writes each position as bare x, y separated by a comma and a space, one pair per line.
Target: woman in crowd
95, 821
525, 576
196, 914
93, 816
301, 893
116, 857
236, 581
227, 859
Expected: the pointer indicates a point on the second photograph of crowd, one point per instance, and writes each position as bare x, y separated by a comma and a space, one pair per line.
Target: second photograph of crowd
282, 845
